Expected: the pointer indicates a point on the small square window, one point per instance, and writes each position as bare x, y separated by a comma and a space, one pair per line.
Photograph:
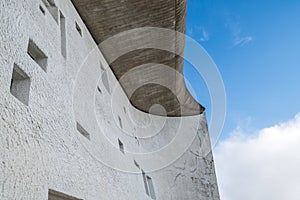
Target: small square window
120, 121
149, 187
37, 55
52, 8
20, 85
82, 131
121, 146
99, 89
145, 183
78, 29
136, 164
42, 10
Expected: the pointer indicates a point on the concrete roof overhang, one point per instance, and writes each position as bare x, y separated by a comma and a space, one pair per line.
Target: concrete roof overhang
106, 18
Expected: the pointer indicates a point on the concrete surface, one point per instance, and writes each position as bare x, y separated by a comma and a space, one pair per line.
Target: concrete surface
41, 147
107, 18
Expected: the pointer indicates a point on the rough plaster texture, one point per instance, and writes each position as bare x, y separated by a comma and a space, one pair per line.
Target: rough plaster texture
40, 147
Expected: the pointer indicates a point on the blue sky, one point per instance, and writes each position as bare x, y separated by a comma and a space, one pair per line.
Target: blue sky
256, 46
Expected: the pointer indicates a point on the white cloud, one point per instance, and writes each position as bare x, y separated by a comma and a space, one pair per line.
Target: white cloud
190, 32
242, 41
239, 38
205, 36
261, 167
199, 33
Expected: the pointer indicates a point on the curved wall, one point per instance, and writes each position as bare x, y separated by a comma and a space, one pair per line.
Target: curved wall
67, 138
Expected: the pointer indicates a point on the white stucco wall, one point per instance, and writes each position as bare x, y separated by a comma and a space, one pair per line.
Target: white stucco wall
40, 146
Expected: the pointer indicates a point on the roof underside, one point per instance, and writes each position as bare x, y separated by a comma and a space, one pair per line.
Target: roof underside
106, 18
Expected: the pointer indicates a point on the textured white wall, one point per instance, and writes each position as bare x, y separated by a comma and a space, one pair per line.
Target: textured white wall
40, 147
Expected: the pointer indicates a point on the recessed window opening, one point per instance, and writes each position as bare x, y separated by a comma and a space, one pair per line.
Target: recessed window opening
37, 55
52, 8
99, 89
101, 66
42, 10
20, 85
54, 195
145, 183
105, 81
151, 187
82, 131
120, 121
121, 146
137, 140
148, 183
49, 3
63, 38
78, 29
136, 164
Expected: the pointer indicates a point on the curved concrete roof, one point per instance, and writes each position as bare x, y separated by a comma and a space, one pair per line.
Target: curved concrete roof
106, 18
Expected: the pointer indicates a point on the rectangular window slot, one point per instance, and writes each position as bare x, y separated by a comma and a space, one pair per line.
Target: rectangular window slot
136, 164
52, 8
120, 121
37, 55
42, 10
121, 146
82, 131
105, 81
63, 38
101, 66
145, 183
78, 29
20, 85
99, 89
151, 187
148, 185
54, 195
